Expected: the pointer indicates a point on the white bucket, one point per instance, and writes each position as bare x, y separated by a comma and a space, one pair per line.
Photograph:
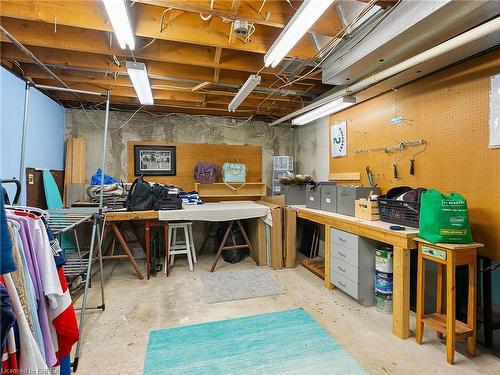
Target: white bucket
383, 259
383, 302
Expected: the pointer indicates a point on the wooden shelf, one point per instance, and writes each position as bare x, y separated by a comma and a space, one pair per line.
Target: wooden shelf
250, 190
438, 323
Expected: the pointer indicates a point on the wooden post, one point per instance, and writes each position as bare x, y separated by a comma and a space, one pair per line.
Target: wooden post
450, 306
328, 284
401, 293
420, 297
439, 293
471, 307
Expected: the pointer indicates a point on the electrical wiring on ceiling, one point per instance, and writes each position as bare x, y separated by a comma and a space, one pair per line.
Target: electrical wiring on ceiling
330, 48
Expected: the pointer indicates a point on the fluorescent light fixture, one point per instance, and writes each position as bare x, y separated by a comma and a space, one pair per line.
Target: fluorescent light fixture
252, 82
302, 20
118, 15
139, 77
326, 109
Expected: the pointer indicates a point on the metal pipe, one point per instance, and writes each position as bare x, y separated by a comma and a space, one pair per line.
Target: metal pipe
104, 142
24, 132
451, 44
33, 57
64, 89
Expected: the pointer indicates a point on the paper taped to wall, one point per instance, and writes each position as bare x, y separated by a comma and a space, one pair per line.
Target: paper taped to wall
339, 139
495, 111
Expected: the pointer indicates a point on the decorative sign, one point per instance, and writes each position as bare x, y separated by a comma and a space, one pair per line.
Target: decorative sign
495, 111
339, 139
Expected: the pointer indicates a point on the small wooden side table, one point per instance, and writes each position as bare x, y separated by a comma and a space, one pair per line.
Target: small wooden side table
448, 256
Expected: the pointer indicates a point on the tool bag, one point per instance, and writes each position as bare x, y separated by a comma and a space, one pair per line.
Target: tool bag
163, 200
206, 173
140, 196
444, 218
234, 173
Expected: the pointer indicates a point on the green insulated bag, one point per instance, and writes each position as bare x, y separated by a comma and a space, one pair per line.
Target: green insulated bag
444, 218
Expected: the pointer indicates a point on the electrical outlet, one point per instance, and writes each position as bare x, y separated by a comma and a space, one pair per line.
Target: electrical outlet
31, 179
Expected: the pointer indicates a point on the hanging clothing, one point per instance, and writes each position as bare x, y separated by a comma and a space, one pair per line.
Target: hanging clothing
64, 320
32, 242
58, 253
6, 315
30, 291
19, 279
6, 260
9, 356
30, 356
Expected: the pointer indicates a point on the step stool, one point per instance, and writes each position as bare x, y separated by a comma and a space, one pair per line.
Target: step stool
186, 246
448, 256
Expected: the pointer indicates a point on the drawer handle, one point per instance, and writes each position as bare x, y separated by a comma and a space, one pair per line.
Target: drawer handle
341, 239
341, 269
342, 254
341, 283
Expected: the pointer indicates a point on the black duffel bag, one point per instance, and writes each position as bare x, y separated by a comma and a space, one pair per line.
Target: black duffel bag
165, 201
140, 197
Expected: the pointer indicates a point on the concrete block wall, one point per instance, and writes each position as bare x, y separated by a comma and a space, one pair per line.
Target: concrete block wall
125, 126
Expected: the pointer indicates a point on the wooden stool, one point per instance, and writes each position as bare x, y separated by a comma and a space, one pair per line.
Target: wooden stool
449, 256
181, 247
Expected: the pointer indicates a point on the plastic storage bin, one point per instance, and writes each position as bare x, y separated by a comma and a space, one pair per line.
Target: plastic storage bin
282, 163
313, 196
346, 195
294, 194
329, 196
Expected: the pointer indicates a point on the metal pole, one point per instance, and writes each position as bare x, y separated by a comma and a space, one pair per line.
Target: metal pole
104, 143
23, 137
64, 89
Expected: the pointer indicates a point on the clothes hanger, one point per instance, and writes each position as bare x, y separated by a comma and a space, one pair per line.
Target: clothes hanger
15, 224
28, 209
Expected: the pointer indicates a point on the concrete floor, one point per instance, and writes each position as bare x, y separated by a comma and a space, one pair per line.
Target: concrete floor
114, 341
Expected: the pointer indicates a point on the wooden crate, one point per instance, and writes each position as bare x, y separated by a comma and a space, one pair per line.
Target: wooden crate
221, 191
366, 210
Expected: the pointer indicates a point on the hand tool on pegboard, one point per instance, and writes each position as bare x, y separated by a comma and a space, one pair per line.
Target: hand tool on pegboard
369, 174
412, 159
400, 148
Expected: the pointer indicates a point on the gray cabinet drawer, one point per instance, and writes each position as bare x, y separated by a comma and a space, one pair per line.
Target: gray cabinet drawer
343, 283
345, 254
345, 239
345, 269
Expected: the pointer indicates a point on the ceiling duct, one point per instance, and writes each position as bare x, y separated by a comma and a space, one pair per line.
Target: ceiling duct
404, 30
470, 43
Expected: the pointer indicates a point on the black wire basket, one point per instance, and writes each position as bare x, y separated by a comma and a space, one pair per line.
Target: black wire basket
399, 212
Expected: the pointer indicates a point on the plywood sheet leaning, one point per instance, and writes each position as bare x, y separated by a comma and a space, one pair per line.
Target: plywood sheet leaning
74, 171
449, 110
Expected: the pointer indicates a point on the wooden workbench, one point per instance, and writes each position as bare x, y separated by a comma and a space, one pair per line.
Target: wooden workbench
402, 241
114, 219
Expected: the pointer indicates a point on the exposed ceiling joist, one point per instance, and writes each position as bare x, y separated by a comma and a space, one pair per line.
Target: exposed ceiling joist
178, 26
274, 13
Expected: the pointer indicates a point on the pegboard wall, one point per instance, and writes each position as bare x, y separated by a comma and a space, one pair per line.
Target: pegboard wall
449, 110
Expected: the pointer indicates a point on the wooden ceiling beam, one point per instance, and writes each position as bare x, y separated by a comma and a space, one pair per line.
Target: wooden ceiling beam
106, 82
41, 34
279, 12
64, 58
179, 26
168, 106
173, 97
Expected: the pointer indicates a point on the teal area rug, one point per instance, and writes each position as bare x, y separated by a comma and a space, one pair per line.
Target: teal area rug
287, 342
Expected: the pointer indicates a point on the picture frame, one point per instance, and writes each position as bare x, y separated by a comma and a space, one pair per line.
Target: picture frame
153, 160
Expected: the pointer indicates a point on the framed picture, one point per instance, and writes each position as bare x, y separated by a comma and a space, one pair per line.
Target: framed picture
151, 160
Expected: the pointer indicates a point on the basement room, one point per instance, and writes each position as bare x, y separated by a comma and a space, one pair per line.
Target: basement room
250, 187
